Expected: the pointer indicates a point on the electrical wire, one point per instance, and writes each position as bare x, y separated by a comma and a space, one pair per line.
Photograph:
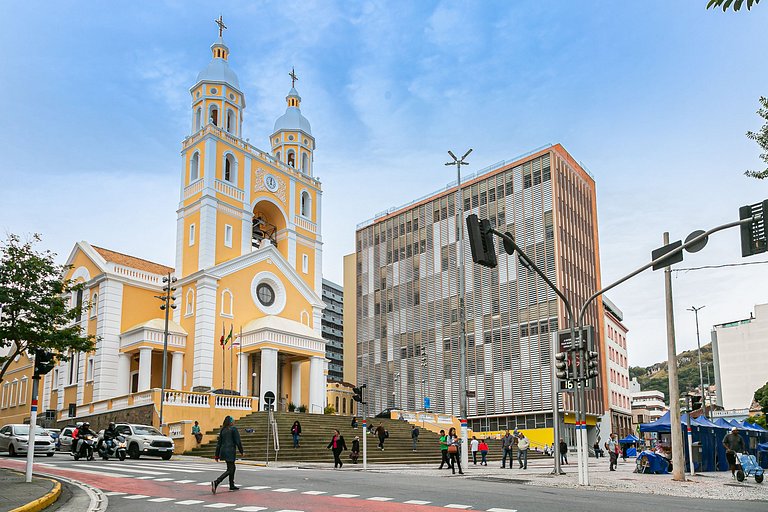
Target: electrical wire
706, 267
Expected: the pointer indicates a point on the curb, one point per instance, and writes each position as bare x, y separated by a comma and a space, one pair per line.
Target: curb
44, 501
98, 500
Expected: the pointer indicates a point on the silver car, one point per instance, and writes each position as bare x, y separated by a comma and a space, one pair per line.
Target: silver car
14, 438
145, 440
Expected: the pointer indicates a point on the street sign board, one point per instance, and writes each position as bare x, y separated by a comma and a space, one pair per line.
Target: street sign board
426, 403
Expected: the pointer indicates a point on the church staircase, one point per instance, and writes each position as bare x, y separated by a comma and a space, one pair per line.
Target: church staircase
317, 430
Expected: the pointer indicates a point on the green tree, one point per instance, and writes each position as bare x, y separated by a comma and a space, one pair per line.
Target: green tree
761, 397
34, 304
761, 138
727, 4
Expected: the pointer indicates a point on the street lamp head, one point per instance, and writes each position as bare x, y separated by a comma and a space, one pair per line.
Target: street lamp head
452, 155
165, 279
466, 154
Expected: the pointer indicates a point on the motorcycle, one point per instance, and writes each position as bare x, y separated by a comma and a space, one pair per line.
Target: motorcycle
115, 447
86, 445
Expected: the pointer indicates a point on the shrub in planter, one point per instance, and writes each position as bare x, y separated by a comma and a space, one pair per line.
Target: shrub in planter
329, 410
301, 408
291, 407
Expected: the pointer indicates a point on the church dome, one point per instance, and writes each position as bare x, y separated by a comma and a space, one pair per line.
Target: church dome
293, 119
218, 69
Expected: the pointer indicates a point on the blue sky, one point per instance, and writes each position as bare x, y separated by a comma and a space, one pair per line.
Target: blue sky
654, 97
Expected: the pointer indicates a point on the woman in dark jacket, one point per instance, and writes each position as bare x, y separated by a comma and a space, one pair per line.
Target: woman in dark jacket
355, 453
337, 445
296, 433
226, 446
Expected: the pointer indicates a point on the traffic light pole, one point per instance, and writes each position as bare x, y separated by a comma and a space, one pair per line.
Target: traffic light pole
32, 428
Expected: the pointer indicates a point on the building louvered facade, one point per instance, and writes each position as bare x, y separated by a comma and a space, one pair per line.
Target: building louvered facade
407, 303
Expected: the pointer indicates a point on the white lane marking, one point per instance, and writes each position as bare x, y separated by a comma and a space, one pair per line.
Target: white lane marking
251, 509
379, 498
502, 510
144, 477
121, 469
189, 502
185, 481
204, 483
256, 487
136, 497
220, 505
163, 479
167, 468
314, 493
454, 505
283, 489
289, 510
114, 493
417, 502
161, 500
99, 473
346, 495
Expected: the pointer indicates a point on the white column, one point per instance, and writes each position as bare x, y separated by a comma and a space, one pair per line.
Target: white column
316, 385
105, 366
207, 234
205, 337
145, 368
268, 381
123, 384
177, 369
296, 382
243, 375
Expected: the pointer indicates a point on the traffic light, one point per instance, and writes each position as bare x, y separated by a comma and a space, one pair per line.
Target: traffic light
695, 402
592, 366
561, 366
753, 235
357, 394
481, 241
44, 362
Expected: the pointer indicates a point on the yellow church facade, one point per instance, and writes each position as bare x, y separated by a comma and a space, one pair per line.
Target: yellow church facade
248, 261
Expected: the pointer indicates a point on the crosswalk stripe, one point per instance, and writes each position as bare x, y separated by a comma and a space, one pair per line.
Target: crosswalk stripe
144, 477
220, 505
417, 502
251, 509
115, 493
168, 467
257, 487
501, 510
346, 495
122, 469
314, 493
185, 481
379, 498
163, 479
189, 502
283, 489
161, 500
204, 483
136, 497
454, 505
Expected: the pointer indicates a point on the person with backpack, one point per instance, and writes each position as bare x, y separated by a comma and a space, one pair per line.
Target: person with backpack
337, 445
226, 446
414, 436
483, 448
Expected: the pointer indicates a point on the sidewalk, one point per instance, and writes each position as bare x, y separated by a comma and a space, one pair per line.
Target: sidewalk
19, 496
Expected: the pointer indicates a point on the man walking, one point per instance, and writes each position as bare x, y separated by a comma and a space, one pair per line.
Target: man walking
381, 433
473, 448
733, 444
414, 436
612, 446
444, 450
563, 446
522, 451
507, 442
228, 442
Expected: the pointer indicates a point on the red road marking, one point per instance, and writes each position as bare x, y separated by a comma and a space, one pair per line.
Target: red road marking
265, 498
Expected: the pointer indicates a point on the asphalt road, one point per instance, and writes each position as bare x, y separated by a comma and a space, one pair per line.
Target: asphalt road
184, 484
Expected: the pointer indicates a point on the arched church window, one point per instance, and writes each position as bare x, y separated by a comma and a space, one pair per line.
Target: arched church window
229, 168
94, 305
190, 306
304, 162
198, 118
214, 115
194, 167
230, 121
306, 204
291, 158
227, 303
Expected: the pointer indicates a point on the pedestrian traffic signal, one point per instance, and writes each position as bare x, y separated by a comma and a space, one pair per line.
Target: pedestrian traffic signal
753, 234
480, 235
357, 394
695, 402
592, 365
44, 362
562, 366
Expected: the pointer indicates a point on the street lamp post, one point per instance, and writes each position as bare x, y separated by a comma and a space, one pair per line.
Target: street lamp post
698, 342
394, 391
167, 298
458, 162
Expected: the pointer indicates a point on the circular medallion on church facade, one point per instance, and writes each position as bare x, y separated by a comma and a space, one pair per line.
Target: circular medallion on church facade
268, 293
271, 183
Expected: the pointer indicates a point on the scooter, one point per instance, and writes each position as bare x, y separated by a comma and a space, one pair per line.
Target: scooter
86, 445
113, 448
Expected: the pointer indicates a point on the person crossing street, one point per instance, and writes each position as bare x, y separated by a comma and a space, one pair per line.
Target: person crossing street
226, 447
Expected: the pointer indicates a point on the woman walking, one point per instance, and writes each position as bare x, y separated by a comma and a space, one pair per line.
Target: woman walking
483, 447
454, 451
355, 453
228, 442
296, 433
337, 445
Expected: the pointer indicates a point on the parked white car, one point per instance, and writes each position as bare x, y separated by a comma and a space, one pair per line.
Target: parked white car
14, 439
145, 440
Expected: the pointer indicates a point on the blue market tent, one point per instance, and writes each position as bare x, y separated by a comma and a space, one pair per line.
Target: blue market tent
629, 441
722, 422
762, 454
704, 433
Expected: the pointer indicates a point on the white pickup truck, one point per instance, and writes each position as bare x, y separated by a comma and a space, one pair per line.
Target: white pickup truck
145, 440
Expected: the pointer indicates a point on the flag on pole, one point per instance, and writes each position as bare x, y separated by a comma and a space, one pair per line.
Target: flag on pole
221, 341
226, 340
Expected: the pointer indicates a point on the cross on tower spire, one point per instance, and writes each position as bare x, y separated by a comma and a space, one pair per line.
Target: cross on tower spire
293, 76
220, 23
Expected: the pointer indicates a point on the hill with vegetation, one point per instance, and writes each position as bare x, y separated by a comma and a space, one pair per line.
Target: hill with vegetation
656, 376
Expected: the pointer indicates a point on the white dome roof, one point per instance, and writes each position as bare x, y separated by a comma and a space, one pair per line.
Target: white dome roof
219, 71
292, 120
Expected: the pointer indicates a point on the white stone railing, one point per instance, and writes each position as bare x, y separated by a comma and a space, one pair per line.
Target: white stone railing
140, 275
119, 403
233, 402
280, 338
142, 398
193, 188
176, 430
153, 337
228, 190
186, 399
305, 224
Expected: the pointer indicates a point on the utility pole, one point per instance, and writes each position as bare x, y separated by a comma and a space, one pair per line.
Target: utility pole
678, 459
698, 343
167, 298
458, 162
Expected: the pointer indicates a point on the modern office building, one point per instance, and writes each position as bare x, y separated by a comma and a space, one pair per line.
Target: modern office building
407, 298
618, 415
333, 329
740, 355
